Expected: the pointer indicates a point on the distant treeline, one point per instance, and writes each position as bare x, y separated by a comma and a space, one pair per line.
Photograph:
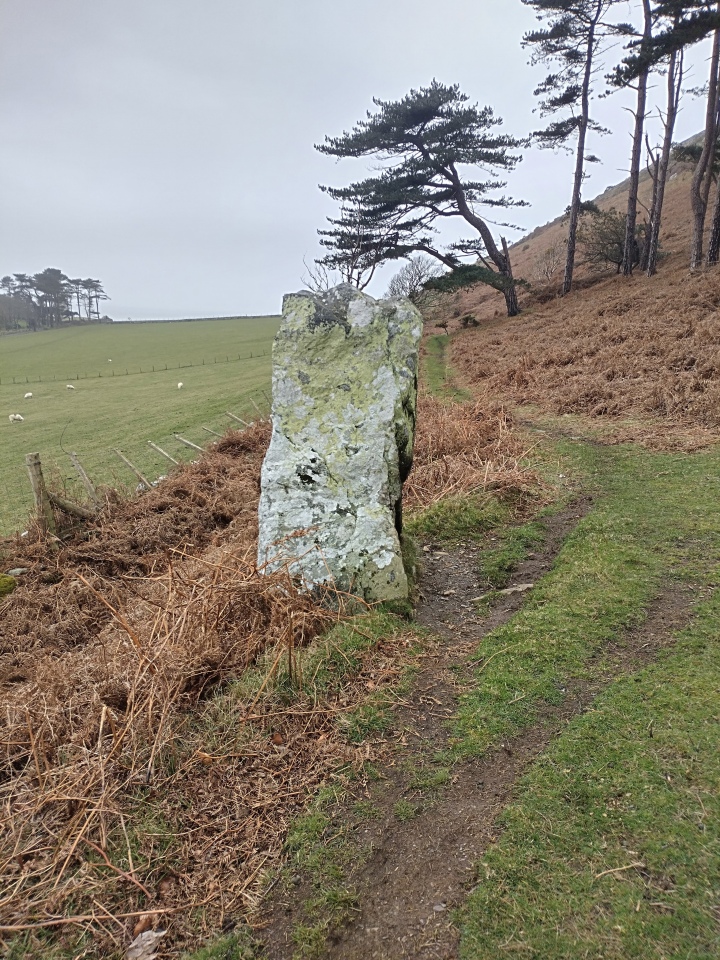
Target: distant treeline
48, 299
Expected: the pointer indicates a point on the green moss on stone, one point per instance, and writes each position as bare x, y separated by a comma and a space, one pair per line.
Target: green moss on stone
7, 584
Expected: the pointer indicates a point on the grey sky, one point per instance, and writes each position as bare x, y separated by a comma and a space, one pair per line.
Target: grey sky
166, 146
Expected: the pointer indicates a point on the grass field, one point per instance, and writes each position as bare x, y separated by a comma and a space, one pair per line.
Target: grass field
115, 404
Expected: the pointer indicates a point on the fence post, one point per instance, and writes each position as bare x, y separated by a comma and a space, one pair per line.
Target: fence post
239, 419
85, 479
73, 508
46, 517
188, 443
146, 483
160, 450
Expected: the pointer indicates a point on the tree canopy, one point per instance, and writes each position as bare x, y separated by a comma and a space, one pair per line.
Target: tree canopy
569, 42
437, 156
677, 24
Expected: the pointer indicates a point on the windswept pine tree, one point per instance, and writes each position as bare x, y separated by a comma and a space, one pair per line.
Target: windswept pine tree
436, 156
570, 43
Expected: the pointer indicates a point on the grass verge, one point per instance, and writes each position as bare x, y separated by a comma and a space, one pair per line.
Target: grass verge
455, 519
655, 517
613, 849
438, 374
322, 846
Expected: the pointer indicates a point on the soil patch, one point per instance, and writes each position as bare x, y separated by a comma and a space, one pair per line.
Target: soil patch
432, 824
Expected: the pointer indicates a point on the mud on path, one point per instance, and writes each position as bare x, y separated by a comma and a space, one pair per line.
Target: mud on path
421, 866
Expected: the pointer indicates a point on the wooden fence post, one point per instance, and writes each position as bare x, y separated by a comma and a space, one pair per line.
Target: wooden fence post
239, 419
188, 443
85, 479
163, 452
69, 507
141, 478
46, 517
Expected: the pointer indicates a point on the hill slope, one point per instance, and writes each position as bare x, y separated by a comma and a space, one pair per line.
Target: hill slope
642, 351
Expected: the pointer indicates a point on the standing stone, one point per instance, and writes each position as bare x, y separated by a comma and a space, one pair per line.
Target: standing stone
344, 401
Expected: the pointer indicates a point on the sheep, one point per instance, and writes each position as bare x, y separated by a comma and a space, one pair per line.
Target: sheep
28, 396
15, 418
109, 360
69, 386
180, 386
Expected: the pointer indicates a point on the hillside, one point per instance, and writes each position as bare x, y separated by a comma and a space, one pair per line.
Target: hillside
527, 252
641, 356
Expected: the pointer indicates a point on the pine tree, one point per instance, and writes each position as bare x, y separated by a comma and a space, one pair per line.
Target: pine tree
53, 295
570, 43
427, 147
669, 27
700, 186
622, 78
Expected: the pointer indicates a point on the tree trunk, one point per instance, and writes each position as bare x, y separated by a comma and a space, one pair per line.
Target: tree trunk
653, 167
674, 86
511, 299
579, 164
700, 188
630, 247
713, 254
501, 260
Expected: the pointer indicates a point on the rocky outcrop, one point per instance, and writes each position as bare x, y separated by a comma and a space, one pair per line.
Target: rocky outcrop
344, 401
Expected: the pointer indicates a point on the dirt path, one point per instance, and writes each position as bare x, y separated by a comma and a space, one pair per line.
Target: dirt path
432, 823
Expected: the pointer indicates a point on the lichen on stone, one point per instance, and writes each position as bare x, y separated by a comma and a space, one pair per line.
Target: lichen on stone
344, 406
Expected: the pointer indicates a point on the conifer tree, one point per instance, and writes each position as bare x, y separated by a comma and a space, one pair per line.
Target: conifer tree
669, 27
436, 156
570, 43
622, 78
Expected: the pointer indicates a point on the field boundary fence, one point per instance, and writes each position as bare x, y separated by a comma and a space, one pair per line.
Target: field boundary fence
47, 501
154, 368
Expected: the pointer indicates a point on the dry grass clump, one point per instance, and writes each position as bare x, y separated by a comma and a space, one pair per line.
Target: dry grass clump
460, 448
200, 503
123, 790
640, 348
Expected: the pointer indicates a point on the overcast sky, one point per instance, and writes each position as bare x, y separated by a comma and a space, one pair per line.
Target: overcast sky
165, 147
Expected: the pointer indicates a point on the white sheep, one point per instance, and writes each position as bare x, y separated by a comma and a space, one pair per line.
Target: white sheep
180, 386
28, 396
109, 360
15, 418
69, 386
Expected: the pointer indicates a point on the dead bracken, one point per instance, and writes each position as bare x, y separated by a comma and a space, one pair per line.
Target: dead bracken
140, 788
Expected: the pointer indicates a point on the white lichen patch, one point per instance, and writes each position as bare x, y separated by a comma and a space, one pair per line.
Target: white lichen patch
344, 402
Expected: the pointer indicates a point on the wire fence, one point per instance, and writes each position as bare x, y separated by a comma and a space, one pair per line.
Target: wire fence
155, 368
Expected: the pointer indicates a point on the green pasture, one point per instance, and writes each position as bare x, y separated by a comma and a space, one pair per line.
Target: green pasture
223, 365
